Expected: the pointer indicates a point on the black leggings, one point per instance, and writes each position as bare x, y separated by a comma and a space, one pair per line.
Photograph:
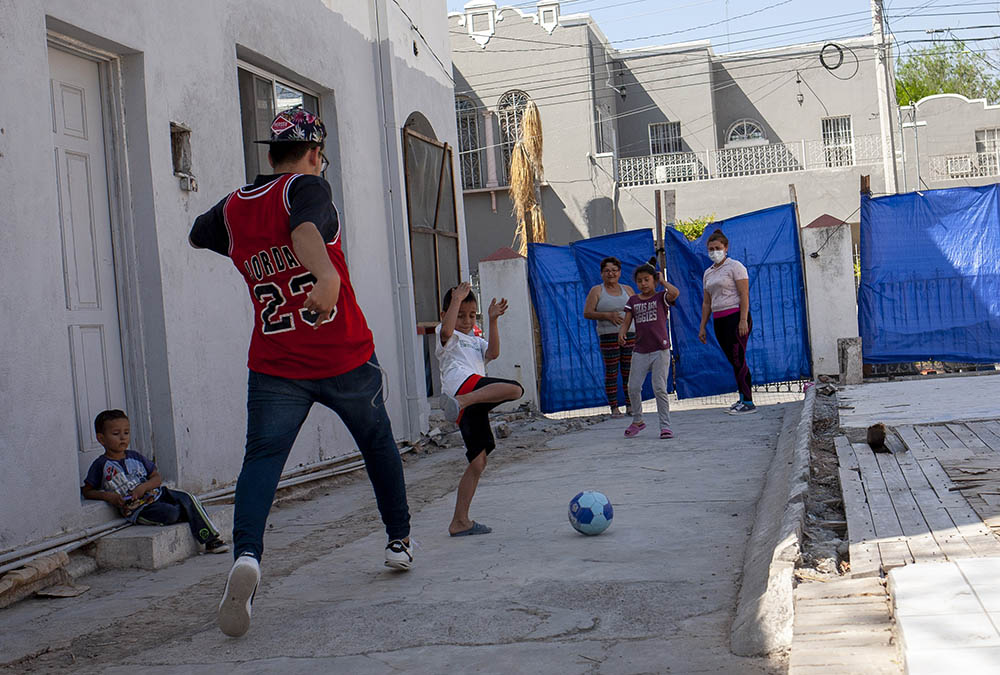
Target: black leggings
727, 332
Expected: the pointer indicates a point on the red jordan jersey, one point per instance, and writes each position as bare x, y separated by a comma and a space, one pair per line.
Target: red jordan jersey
285, 342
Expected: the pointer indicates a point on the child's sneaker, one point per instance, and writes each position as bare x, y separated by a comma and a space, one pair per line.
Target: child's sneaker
237, 600
666, 433
744, 408
398, 555
735, 405
216, 545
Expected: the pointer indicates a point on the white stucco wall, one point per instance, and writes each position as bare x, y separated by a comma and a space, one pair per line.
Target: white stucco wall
509, 279
179, 64
830, 294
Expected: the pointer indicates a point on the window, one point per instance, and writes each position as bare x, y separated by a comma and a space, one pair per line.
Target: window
987, 140
746, 132
482, 23
262, 96
509, 113
469, 151
664, 138
838, 141
431, 212
605, 130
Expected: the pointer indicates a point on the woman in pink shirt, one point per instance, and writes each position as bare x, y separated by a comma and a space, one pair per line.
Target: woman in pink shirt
727, 300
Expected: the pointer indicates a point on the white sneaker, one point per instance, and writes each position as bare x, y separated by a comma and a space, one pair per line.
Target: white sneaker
237, 600
399, 555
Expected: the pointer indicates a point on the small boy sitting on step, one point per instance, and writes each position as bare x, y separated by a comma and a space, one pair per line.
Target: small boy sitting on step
130, 482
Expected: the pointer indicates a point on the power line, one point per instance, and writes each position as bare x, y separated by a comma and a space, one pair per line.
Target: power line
447, 71
585, 73
748, 62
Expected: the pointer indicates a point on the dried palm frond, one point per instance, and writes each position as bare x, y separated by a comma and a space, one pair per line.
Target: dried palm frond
522, 194
537, 224
531, 136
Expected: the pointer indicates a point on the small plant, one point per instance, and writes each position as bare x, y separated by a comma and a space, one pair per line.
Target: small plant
692, 228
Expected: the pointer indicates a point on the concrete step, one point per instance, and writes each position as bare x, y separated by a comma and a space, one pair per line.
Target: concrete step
152, 547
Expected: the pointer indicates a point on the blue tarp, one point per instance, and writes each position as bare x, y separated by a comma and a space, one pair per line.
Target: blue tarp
766, 241
778, 351
930, 276
561, 277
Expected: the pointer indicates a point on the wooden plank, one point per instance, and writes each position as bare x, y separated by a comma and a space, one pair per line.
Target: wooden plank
845, 453
941, 483
930, 439
985, 434
914, 443
894, 554
864, 553
883, 514
947, 536
948, 437
921, 543
920, 488
967, 437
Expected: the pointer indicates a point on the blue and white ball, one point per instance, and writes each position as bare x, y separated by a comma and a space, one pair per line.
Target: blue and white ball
590, 512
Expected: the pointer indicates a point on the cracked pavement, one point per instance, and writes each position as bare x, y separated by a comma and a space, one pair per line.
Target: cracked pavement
654, 594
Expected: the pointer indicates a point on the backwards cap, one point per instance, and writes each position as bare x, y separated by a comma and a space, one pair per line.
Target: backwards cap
296, 125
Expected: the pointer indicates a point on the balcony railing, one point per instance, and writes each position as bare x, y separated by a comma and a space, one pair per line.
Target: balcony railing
968, 165
754, 160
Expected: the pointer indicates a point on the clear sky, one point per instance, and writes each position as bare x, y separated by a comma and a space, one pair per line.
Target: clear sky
756, 24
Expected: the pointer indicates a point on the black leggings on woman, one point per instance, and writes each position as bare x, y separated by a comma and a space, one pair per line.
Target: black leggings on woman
727, 332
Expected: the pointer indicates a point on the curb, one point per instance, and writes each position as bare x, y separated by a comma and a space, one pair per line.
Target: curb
765, 610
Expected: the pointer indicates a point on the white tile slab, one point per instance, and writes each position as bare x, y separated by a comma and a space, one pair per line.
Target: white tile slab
929, 589
951, 631
968, 661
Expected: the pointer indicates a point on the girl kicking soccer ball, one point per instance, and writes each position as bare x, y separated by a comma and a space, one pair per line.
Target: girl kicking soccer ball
650, 310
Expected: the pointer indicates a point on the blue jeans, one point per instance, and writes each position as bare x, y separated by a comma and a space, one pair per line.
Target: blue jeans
276, 409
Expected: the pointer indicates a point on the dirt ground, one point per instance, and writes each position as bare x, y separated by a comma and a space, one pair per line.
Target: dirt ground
824, 546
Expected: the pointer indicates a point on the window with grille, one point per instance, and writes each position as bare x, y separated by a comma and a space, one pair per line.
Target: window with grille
262, 96
987, 151
987, 140
746, 132
469, 149
838, 141
510, 110
664, 138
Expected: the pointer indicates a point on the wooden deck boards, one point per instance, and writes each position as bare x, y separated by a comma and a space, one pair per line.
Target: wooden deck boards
935, 496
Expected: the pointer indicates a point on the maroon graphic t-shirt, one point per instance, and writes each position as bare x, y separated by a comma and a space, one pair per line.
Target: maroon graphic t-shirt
650, 315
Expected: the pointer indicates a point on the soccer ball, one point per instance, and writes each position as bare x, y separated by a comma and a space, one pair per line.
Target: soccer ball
590, 512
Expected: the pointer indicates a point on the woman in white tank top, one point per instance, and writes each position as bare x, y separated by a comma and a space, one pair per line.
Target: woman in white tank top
606, 305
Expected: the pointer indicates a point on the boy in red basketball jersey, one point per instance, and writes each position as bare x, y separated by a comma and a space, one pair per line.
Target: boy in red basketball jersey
310, 344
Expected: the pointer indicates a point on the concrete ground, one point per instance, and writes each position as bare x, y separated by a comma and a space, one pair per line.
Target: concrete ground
924, 401
653, 594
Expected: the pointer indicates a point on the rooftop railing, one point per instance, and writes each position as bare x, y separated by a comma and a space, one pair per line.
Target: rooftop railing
753, 160
967, 165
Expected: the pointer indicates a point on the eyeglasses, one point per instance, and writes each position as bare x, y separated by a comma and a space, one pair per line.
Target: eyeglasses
324, 162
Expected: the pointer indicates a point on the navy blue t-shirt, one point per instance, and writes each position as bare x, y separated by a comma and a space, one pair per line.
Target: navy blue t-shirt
121, 476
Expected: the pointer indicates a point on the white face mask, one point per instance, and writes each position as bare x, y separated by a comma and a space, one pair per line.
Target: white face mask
717, 256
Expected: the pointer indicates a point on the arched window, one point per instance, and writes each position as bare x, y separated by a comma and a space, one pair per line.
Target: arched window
469, 150
746, 132
510, 109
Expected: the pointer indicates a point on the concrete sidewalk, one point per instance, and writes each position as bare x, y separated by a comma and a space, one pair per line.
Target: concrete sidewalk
655, 593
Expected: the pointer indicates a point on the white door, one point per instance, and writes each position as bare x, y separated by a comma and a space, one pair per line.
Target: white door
91, 300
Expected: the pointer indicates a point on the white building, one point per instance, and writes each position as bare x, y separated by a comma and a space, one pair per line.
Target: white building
129, 120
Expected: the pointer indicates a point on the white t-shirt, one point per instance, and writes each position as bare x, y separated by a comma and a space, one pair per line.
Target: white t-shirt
464, 355
720, 282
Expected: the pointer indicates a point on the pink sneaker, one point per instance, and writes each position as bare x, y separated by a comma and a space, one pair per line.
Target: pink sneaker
634, 429
666, 433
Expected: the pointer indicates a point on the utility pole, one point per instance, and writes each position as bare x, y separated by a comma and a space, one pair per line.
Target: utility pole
886, 98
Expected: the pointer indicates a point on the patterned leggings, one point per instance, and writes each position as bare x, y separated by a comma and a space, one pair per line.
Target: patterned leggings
615, 356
